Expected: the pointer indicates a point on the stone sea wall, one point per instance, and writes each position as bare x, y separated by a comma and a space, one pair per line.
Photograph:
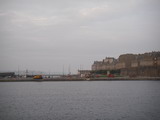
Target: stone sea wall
147, 64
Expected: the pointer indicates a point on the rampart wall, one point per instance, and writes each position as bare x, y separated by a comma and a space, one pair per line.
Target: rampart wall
147, 64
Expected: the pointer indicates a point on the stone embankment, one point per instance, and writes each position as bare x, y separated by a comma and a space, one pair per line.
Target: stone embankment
79, 79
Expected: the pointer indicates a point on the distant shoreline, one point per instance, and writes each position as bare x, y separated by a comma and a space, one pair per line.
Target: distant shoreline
81, 79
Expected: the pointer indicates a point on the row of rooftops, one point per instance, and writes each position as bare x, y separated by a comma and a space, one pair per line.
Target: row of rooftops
145, 56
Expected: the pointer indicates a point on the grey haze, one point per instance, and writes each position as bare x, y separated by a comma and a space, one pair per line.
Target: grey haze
49, 35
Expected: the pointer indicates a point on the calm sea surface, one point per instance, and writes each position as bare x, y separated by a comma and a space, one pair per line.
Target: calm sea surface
83, 100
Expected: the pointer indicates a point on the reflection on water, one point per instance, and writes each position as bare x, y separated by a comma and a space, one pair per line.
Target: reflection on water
83, 100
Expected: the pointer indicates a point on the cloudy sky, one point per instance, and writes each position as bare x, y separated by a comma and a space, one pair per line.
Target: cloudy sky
47, 35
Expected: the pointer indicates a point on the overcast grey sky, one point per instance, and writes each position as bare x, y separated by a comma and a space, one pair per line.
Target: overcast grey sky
46, 35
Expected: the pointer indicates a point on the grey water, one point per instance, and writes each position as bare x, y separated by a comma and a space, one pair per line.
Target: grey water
81, 100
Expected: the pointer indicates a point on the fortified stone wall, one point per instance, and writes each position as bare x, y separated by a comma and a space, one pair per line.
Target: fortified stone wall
158, 61
147, 64
134, 64
142, 71
127, 59
120, 65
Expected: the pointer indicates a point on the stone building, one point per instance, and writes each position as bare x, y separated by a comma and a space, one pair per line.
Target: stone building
147, 64
107, 64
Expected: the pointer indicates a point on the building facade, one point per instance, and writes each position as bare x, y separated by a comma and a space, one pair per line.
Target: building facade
147, 64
